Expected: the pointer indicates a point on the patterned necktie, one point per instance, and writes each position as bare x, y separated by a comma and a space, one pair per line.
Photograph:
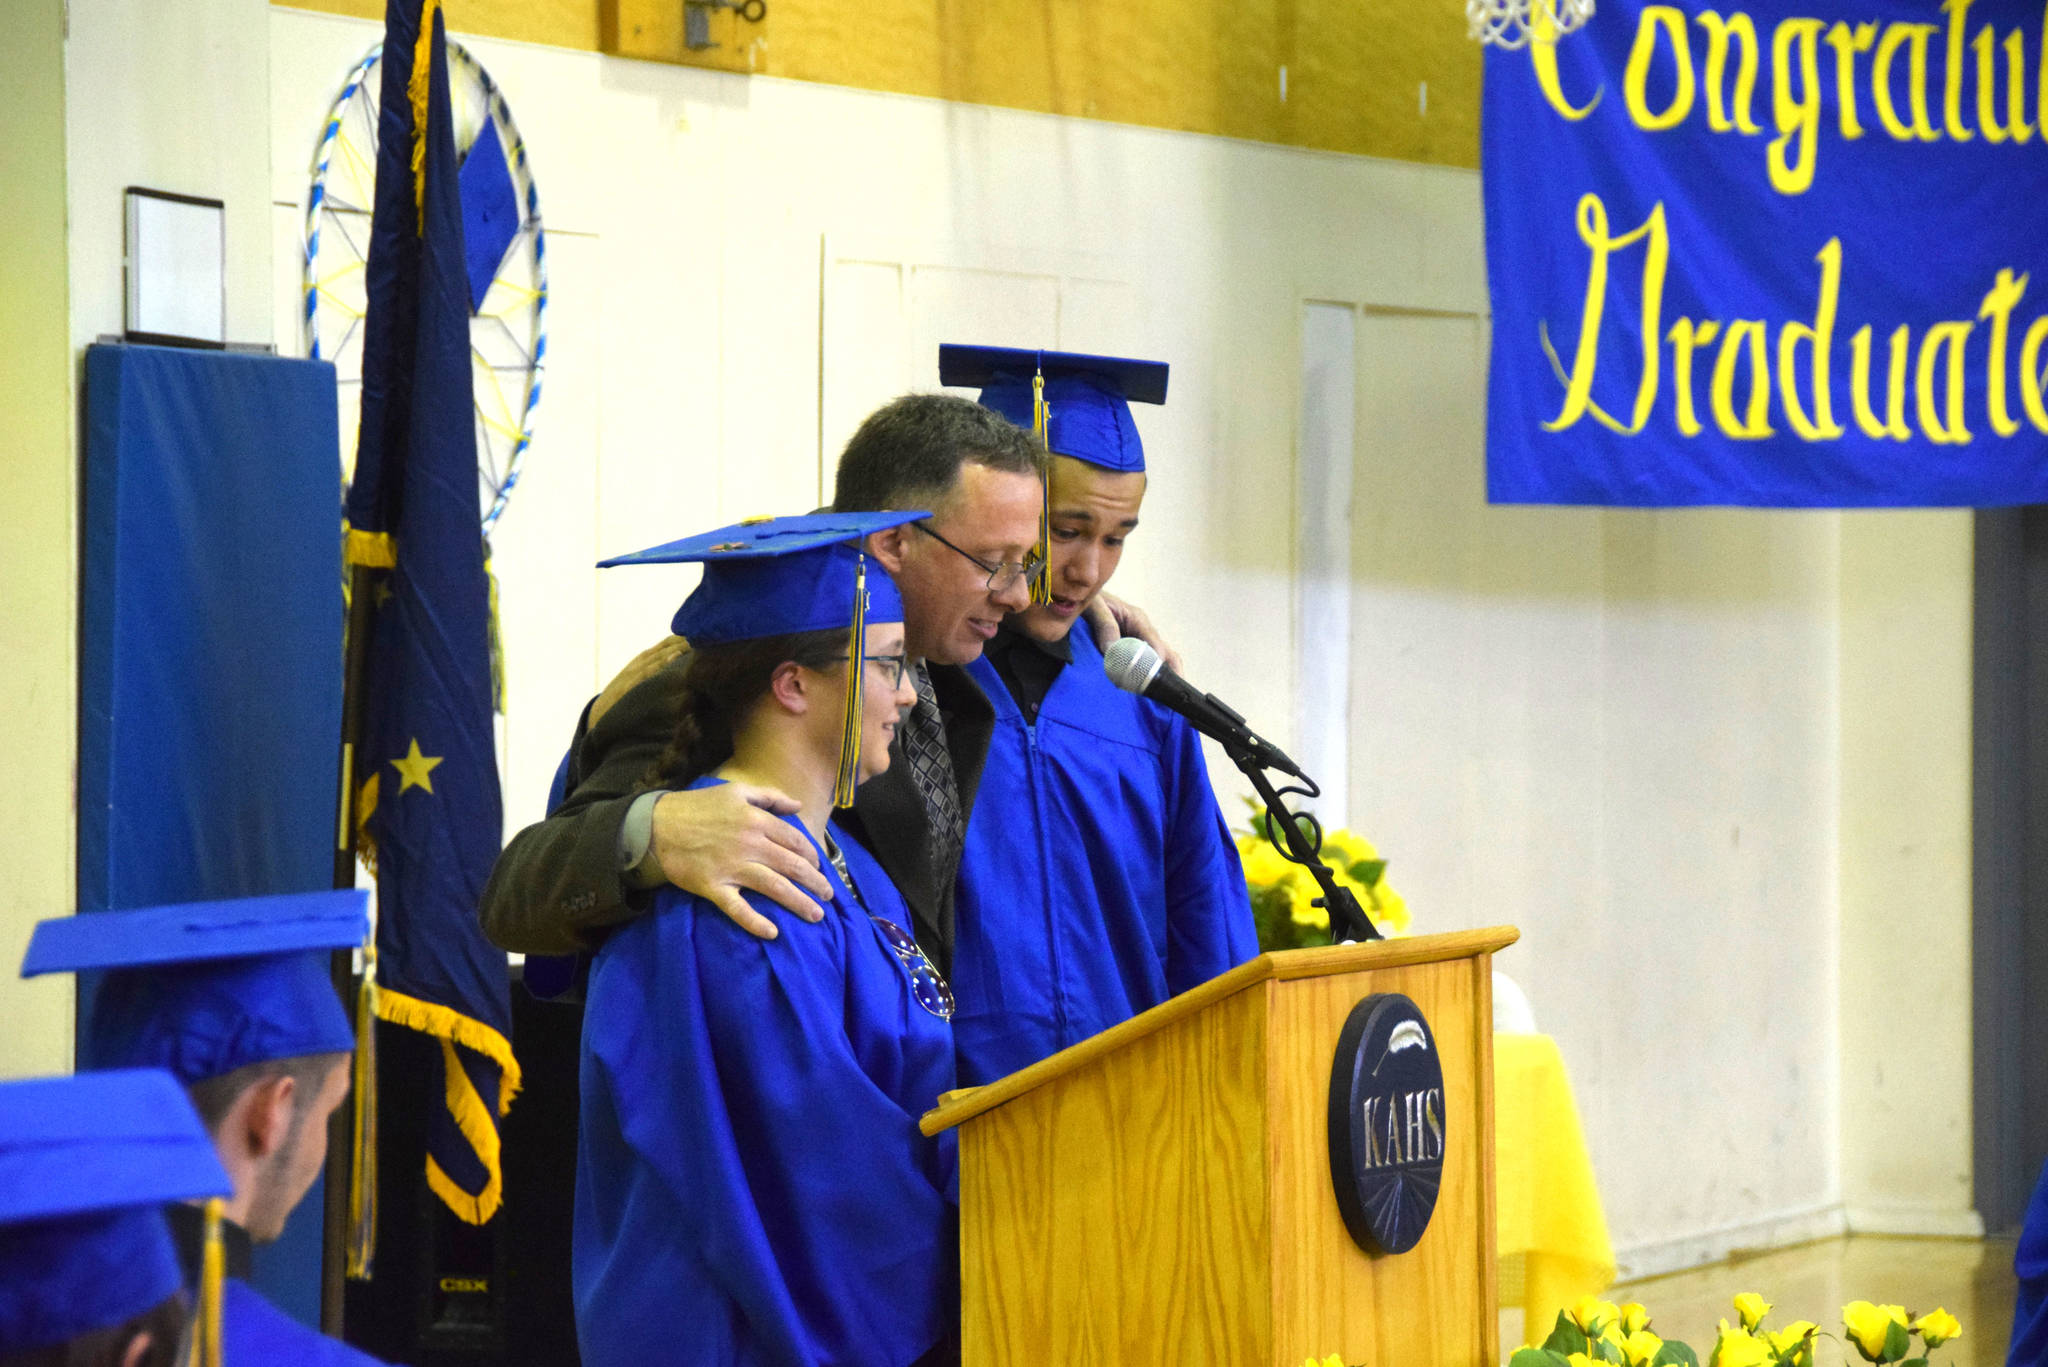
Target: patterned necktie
931, 768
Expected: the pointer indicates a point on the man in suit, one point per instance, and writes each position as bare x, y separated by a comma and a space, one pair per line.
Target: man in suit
592, 863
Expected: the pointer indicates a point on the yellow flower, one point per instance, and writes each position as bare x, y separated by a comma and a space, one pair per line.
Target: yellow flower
1937, 1326
1739, 1348
1870, 1325
1263, 866
1593, 1315
1388, 909
1635, 1318
1641, 1346
1752, 1308
1333, 1360
1581, 1360
1793, 1343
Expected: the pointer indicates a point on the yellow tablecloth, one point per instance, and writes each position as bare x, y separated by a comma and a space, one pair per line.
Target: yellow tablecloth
1553, 1236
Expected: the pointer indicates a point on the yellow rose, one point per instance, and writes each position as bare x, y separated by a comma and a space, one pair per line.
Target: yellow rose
1581, 1360
1593, 1315
1869, 1327
1635, 1318
1739, 1348
1752, 1308
1641, 1346
1263, 866
1303, 910
1937, 1326
1388, 909
1793, 1343
1333, 1360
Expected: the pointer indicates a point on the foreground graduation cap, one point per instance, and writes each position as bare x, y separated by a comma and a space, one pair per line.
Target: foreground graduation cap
87, 1164
1087, 398
778, 576
204, 988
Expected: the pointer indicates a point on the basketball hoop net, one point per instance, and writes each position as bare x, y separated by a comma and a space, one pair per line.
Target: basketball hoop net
1510, 23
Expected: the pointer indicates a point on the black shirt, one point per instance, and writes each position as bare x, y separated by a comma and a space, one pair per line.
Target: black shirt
188, 1233
1028, 666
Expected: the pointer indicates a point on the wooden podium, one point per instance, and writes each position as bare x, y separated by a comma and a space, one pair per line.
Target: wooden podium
1162, 1193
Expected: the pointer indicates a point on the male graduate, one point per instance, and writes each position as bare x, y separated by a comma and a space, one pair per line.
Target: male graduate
234, 999
2029, 1345
88, 1165
1104, 881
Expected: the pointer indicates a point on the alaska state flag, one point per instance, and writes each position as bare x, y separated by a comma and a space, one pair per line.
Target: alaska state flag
427, 801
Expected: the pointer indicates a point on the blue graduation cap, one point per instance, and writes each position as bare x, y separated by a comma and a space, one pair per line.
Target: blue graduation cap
87, 1164
204, 988
778, 576
1087, 399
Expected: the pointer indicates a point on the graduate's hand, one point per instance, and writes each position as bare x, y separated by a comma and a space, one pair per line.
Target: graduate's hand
638, 670
715, 841
1111, 619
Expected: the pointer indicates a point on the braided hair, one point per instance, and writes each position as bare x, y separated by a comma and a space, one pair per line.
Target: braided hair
720, 684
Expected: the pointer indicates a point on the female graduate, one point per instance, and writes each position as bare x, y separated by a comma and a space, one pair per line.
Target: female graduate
751, 1185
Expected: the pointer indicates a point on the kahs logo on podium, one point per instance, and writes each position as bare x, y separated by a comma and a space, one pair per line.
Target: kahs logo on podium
1387, 1123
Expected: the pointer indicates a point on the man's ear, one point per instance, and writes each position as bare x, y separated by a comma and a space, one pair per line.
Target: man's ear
888, 546
267, 1120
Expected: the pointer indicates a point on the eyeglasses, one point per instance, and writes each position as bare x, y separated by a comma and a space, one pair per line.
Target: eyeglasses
1000, 576
895, 664
925, 983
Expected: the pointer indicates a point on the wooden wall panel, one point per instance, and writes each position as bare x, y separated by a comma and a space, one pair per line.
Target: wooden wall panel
1384, 78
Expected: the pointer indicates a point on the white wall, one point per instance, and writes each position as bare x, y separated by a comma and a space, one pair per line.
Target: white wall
38, 593
1654, 741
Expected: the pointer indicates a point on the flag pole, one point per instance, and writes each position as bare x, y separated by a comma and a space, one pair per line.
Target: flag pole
341, 1125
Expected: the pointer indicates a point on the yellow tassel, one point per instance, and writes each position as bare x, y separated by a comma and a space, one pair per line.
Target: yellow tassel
856, 675
416, 88
472, 1117
1041, 429
213, 1271
362, 1167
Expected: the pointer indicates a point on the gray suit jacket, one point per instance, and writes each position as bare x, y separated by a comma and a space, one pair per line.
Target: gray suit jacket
556, 887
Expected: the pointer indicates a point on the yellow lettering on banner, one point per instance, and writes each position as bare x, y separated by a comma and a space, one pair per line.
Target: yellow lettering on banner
2016, 126
1820, 339
1847, 42
1756, 424
1719, 31
2030, 374
1686, 336
1636, 78
1894, 424
1543, 56
1958, 12
1952, 337
1578, 397
1997, 307
1895, 37
1800, 117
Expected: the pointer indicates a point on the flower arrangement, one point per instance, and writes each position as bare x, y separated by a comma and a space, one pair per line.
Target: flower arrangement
1595, 1331
1283, 892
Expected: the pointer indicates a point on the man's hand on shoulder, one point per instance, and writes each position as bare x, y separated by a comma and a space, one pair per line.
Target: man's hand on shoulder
715, 841
638, 670
1111, 619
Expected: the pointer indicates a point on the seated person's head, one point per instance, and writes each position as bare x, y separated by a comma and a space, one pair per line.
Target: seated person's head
978, 475
236, 1000
269, 1125
88, 1273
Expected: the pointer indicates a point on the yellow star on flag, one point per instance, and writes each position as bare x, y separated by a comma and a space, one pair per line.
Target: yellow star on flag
415, 767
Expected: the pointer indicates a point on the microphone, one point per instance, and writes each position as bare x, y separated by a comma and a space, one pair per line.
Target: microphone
1136, 668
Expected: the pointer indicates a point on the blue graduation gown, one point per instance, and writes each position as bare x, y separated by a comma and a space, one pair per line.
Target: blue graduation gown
1098, 877
255, 1333
751, 1186
2030, 1265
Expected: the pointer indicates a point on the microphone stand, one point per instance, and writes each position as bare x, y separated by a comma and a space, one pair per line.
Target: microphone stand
1348, 921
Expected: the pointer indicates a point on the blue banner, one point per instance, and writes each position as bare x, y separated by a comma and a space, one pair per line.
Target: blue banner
427, 771
1776, 255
